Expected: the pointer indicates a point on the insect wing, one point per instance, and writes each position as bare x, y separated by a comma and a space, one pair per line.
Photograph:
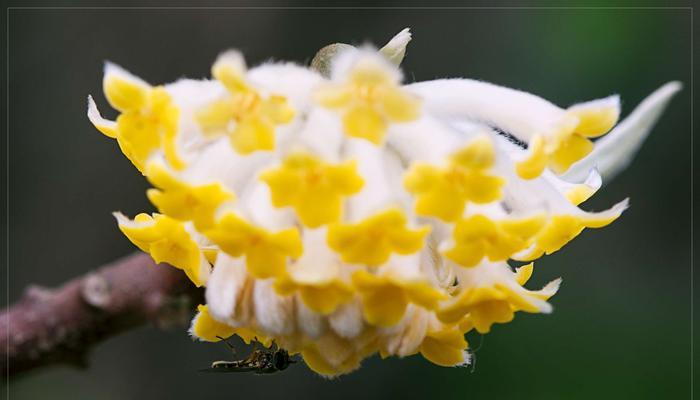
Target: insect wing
229, 366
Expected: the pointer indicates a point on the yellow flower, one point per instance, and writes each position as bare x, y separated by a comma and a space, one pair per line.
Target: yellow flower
266, 252
148, 119
385, 297
180, 200
483, 305
373, 240
321, 297
314, 188
166, 240
370, 99
561, 229
248, 118
445, 347
443, 192
478, 236
331, 355
571, 140
205, 327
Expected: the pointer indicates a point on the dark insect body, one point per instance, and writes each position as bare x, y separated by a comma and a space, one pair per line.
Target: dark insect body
259, 361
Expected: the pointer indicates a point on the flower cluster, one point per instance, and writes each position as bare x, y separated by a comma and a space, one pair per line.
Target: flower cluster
349, 215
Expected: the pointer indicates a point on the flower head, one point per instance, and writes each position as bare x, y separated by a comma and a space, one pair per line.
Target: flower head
349, 215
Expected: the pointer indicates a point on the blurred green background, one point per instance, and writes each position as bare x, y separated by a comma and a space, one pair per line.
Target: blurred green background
621, 325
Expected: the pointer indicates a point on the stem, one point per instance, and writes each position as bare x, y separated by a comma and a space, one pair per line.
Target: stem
59, 326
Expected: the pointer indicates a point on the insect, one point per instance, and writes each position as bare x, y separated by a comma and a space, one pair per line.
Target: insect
259, 361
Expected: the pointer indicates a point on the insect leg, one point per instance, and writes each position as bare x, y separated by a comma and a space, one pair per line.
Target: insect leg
230, 346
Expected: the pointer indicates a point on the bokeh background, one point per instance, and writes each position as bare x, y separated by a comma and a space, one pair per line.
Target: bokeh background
621, 326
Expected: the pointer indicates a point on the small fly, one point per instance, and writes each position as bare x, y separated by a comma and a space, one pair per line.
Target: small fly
259, 361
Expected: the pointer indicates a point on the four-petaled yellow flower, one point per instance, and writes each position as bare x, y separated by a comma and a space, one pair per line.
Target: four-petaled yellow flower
321, 297
206, 328
446, 347
266, 253
373, 240
248, 118
443, 192
385, 297
314, 188
478, 236
571, 140
370, 99
148, 119
182, 200
497, 302
167, 240
561, 229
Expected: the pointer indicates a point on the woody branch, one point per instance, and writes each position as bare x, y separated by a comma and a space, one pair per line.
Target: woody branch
59, 326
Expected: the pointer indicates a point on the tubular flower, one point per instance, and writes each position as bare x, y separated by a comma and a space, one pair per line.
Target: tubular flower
477, 237
243, 113
182, 200
265, 252
346, 216
370, 96
373, 240
167, 240
442, 192
314, 188
148, 119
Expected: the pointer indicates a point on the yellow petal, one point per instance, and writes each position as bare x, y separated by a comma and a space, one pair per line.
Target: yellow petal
373, 240
215, 117
523, 274
124, 94
229, 69
206, 328
365, 123
537, 159
397, 105
446, 348
478, 154
334, 96
597, 117
253, 134
383, 302
570, 150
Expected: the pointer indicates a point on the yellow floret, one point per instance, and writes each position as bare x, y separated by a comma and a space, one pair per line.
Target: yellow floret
244, 115
445, 347
266, 252
180, 200
314, 189
477, 237
371, 98
570, 142
166, 240
321, 297
385, 298
561, 229
148, 120
206, 328
373, 240
443, 192
480, 307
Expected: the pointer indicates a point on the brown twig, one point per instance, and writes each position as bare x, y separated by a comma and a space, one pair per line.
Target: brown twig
59, 326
